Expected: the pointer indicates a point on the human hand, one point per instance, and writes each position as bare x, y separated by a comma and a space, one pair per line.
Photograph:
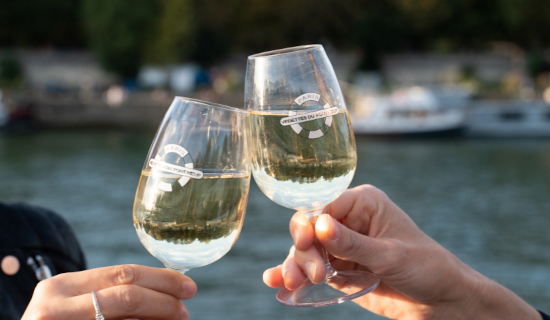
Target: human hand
125, 291
364, 230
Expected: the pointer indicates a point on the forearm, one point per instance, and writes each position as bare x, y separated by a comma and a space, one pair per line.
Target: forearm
497, 302
490, 300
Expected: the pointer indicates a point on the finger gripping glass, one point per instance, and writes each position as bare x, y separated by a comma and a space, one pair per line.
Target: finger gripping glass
303, 150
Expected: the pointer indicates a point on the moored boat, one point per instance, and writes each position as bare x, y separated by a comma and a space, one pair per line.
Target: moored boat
509, 119
412, 111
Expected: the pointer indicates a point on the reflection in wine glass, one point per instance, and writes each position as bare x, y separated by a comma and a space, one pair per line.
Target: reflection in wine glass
192, 194
303, 151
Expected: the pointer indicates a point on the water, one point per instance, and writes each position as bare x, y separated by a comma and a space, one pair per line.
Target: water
485, 200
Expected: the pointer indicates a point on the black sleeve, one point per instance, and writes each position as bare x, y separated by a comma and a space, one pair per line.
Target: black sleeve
29, 232
544, 316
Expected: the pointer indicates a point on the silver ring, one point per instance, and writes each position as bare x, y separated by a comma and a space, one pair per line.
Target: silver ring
98, 315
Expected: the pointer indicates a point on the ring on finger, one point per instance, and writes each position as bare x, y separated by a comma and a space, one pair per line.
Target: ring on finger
98, 315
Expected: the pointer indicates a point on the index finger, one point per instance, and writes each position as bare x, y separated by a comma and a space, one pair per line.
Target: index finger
361, 199
162, 280
302, 231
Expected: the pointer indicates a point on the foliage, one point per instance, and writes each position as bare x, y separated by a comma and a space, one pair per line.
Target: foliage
127, 34
214, 30
526, 22
536, 64
172, 38
11, 71
117, 29
39, 23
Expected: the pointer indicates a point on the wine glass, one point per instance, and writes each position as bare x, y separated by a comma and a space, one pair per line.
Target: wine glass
303, 151
193, 190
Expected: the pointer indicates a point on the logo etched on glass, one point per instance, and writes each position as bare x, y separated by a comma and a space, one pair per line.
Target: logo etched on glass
185, 172
317, 129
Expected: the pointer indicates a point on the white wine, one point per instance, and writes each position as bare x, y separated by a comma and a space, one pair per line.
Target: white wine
304, 166
193, 225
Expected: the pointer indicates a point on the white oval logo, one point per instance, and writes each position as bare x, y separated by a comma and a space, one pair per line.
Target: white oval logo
294, 119
186, 171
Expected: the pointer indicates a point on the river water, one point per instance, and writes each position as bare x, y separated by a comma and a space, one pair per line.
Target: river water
487, 201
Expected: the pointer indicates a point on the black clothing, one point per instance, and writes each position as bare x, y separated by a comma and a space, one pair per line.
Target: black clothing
40, 240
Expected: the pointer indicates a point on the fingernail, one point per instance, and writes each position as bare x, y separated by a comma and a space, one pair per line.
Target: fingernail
333, 231
296, 235
189, 288
286, 276
310, 267
265, 276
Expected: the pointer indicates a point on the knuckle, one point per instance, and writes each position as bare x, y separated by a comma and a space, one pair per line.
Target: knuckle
366, 188
174, 309
128, 299
45, 285
43, 313
124, 274
184, 313
372, 198
372, 191
54, 284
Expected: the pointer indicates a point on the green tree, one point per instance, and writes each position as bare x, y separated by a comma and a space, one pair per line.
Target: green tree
11, 71
527, 22
214, 33
118, 31
38, 23
127, 34
173, 38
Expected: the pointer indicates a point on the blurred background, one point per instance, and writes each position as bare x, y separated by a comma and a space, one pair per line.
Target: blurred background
450, 102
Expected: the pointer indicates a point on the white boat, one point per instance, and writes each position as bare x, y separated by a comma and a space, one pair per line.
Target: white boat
509, 119
411, 111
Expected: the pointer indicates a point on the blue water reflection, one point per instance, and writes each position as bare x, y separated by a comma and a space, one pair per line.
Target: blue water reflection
487, 201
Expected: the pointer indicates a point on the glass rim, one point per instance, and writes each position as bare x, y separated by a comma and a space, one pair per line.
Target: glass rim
268, 54
212, 104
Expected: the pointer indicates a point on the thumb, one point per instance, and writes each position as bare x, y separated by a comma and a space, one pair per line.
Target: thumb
346, 244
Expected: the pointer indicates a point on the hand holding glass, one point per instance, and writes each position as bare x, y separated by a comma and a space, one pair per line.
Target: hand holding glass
303, 151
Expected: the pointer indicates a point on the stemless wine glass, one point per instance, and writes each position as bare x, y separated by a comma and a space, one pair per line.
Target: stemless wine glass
303, 151
192, 195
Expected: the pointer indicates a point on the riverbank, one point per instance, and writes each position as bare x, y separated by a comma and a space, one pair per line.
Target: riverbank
146, 109
141, 109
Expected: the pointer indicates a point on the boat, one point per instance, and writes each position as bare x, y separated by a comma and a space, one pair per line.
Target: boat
414, 111
509, 119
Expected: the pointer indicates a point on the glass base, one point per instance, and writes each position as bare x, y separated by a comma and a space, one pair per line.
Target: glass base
177, 268
343, 286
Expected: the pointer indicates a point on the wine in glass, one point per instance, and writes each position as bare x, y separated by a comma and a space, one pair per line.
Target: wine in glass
303, 151
191, 198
